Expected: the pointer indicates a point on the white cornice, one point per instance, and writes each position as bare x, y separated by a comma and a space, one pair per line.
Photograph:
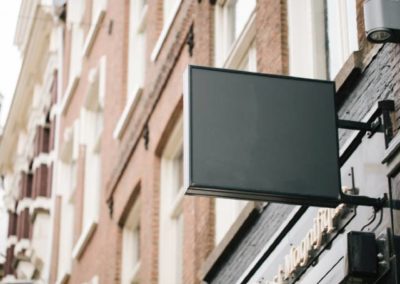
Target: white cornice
37, 40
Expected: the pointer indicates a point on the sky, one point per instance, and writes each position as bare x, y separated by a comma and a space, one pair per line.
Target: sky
10, 60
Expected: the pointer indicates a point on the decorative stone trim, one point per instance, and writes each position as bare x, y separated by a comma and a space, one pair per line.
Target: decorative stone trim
63, 278
42, 159
11, 240
94, 29
40, 204
127, 114
165, 31
23, 204
23, 246
73, 84
83, 240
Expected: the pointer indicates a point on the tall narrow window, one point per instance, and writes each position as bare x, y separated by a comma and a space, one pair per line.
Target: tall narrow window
131, 246
342, 33
306, 38
136, 62
321, 36
74, 20
234, 28
171, 215
137, 46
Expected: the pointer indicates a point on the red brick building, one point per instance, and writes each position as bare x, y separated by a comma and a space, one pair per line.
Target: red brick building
118, 210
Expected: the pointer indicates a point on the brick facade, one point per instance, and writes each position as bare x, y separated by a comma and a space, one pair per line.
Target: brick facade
131, 165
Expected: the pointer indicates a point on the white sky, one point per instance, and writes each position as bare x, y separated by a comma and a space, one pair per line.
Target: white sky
9, 56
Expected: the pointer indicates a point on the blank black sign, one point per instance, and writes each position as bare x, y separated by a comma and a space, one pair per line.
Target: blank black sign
260, 137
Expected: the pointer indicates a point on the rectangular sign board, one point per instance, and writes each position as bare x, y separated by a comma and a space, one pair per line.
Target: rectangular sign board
260, 137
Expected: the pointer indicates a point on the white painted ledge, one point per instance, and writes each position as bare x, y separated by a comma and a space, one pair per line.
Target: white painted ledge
23, 204
11, 240
166, 28
94, 30
134, 276
21, 246
72, 85
84, 240
127, 114
40, 204
43, 159
63, 278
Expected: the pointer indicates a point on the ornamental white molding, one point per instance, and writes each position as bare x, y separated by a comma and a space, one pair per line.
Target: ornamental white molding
23, 204
43, 159
94, 28
66, 99
164, 32
127, 114
23, 247
40, 205
11, 240
83, 240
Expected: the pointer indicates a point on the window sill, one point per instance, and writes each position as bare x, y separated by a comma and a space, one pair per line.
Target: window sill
94, 30
126, 114
42, 159
73, 84
22, 247
223, 244
134, 276
241, 44
40, 204
63, 278
348, 70
11, 240
164, 32
83, 240
24, 204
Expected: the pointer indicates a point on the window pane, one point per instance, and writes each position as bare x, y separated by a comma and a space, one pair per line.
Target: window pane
242, 12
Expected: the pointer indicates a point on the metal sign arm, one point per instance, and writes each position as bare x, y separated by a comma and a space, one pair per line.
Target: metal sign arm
375, 124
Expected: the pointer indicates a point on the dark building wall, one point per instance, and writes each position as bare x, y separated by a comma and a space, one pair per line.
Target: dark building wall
380, 80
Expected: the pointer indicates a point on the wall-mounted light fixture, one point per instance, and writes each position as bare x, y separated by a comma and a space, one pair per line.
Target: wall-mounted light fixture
382, 20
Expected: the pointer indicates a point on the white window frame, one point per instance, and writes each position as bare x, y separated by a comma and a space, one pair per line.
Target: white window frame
136, 63
229, 50
232, 54
167, 24
75, 14
131, 246
342, 32
308, 33
171, 211
306, 38
91, 129
97, 16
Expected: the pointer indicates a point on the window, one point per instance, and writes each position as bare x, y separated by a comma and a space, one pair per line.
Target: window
235, 48
131, 246
92, 118
67, 181
320, 37
136, 62
91, 129
74, 18
171, 215
170, 10
342, 31
234, 28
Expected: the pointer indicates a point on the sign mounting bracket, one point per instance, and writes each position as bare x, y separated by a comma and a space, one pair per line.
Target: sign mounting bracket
379, 122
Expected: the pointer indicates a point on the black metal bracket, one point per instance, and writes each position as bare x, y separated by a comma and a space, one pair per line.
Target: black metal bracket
380, 121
